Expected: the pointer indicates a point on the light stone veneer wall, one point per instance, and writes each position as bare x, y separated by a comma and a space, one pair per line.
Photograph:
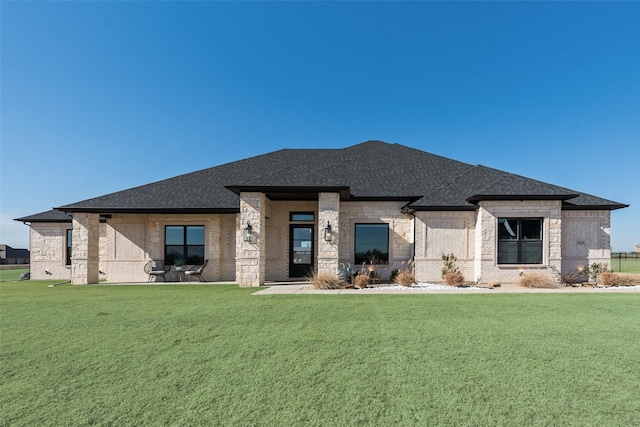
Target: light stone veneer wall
328, 251
400, 231
128, 241
586, 238
444, 232
47, 246
85, 248
487, 268
131, 240
251, 255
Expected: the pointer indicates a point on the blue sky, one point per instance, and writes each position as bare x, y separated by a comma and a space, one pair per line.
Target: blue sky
98, 97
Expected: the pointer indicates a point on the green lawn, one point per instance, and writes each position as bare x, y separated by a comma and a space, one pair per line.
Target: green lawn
216, 355
11, 275
625, 265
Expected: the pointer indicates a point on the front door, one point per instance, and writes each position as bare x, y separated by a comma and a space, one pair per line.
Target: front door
300, 250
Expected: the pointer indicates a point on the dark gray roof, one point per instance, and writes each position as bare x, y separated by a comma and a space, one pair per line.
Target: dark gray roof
372, 170
48, 216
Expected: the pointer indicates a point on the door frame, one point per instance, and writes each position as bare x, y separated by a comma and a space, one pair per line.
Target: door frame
301, 270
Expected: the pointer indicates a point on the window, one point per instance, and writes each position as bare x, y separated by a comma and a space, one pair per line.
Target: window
68, 248
302, 216
371, 243
519, 241
184, 241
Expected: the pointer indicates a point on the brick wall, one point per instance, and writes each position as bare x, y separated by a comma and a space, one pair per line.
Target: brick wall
586, 238
444, 232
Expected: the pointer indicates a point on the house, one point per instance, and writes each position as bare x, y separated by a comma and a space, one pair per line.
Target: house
9, 255
278, 216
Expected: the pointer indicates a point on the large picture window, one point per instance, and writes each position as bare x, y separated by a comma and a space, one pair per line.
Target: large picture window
371, 243
185, 242
519, 241
67, 252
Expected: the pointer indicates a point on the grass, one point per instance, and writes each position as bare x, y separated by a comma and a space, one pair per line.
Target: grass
217, 355
11, 275
625, 265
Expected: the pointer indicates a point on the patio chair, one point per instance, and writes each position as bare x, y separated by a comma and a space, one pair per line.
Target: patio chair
156, 269
196, 271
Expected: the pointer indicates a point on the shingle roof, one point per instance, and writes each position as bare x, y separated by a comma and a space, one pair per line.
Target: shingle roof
48, 216
372, 170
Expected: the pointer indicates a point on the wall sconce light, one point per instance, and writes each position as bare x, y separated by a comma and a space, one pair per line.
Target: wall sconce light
247, 232
328, 233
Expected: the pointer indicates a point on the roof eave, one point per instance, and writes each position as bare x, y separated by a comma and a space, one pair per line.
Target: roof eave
480, 197
612, 207
107, 210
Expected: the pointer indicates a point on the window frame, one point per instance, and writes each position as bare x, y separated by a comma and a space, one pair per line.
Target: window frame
379, 260
68, 246
292, 216
170, 259
520, 242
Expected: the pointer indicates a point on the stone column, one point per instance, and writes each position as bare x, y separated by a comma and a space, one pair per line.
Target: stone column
328, 211
85, 258
250, 256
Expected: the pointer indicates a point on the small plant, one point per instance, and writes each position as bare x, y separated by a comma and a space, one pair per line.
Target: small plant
619, 279
178, 262
536, 280
453, 278
450, 271
594, 270
393, 275
404, 275
574, 277
324, 281
405, 278
362, 280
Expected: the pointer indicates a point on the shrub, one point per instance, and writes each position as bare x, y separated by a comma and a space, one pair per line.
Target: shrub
536, 280
619, 279
405, 278
574, 277
594, 270
324, 281
450, 272
362, 280
393, 275
454, 278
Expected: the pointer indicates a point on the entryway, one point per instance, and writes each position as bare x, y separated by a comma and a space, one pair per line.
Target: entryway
301, 246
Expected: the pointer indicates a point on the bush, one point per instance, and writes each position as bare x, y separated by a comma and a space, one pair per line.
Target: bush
594, 270
574, 277
405, 278
454, 278
619, 279
450, 272
536, 280
362, 280
393, 275
324, 281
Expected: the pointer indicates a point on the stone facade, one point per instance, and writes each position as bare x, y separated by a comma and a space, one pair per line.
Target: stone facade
444, 232
487, 268
117, 249
401, 236
586, 238
328, 214
251, 255
85, 250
